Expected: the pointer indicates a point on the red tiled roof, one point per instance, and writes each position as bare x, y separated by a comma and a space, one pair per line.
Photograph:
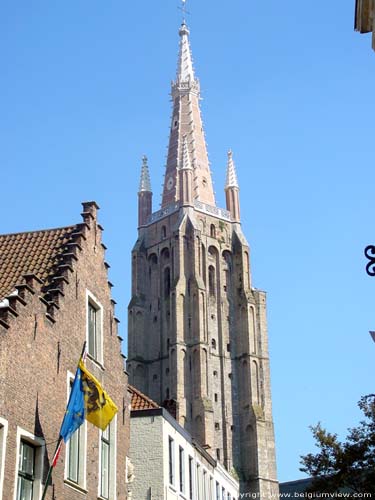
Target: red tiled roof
140, 401
36, 252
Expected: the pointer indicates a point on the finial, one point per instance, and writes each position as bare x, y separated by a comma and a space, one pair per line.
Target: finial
232, 180
184, 11
145, 182
185, 70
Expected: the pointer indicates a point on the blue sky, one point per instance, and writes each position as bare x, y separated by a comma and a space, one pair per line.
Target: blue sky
289, 87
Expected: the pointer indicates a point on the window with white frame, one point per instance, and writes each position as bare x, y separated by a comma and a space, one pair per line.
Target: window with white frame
30, 453
94, 328
26, 471
171, 460
199, 483
107, 488
217, 491
223, 493
3, 438
75, 463
191, 484
74, 456
205, 485
181, 465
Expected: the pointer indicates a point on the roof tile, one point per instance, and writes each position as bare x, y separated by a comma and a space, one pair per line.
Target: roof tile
36, 252
140, 401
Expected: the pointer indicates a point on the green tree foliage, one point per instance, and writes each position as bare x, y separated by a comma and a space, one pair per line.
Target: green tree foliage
344, 466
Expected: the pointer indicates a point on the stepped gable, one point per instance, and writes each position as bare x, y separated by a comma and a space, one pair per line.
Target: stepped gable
31, 253
140, 401
41, 262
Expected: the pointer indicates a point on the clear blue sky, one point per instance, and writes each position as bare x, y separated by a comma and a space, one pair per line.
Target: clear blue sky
289, 87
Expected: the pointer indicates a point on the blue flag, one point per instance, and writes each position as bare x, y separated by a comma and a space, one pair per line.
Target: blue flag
75, 411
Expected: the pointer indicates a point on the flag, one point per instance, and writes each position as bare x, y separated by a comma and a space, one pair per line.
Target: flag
373, 335
99, 407
57, 454
75, 411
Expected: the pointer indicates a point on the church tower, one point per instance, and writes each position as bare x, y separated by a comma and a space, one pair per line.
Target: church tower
198, 338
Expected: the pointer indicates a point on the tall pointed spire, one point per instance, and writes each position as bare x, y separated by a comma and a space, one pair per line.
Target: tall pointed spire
185, 71
144, 195
145, 182
232, 180
186, 121
232, 190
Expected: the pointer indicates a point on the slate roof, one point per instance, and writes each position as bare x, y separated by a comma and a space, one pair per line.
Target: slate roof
140, 401
37, 252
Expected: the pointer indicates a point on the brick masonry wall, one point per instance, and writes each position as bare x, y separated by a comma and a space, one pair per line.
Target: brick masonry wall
35, 356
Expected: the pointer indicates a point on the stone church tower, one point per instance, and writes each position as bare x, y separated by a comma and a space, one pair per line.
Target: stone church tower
197, 327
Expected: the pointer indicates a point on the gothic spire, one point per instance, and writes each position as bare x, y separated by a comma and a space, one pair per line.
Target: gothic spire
185, 71
144, 195
145, 182
232, 190
186, 121
232, 180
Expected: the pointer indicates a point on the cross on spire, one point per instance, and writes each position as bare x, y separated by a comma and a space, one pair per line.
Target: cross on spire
183, 9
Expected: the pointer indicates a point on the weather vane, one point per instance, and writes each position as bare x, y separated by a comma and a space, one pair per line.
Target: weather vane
183, 9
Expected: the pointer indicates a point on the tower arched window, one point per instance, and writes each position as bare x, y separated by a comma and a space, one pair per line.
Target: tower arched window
163, 232
213, 231
213, 345
167, 282
165, 255
211, 280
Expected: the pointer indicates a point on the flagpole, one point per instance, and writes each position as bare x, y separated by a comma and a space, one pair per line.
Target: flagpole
49, 475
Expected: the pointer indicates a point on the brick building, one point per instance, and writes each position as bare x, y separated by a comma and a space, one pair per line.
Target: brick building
365, 18
168, 463
197, 325
54, 295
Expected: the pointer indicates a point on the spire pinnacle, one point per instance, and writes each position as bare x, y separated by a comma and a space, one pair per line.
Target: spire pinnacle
145, 182
186, 164
187, 121
232, 180
185, 71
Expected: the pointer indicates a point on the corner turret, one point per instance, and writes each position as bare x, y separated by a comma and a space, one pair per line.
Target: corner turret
144, 195
232, 190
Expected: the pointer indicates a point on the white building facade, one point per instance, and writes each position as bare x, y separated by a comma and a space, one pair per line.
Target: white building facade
169, 465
